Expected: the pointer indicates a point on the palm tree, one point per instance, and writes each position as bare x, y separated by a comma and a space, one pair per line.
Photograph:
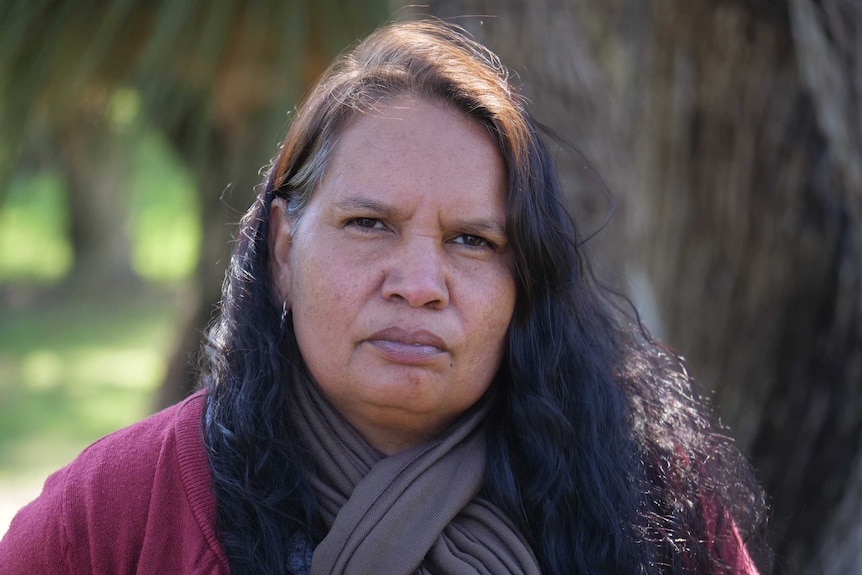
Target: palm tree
217, 77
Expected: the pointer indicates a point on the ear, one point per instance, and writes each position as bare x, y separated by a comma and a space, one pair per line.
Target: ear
280, 239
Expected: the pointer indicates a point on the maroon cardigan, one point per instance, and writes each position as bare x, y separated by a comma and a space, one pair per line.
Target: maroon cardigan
136, 501
140, 501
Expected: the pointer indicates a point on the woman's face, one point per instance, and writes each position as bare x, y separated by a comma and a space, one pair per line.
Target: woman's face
399, 272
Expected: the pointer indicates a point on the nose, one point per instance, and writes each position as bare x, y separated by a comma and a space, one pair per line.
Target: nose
417, 274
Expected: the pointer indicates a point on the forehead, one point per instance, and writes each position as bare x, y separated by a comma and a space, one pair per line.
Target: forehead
407, 154
398, 116
412, 141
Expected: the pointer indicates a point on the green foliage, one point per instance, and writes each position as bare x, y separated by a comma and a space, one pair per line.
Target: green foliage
33, 244
164, 221
165, 213
196, 72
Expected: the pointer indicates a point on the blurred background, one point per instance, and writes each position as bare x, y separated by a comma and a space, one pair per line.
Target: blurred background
728, 134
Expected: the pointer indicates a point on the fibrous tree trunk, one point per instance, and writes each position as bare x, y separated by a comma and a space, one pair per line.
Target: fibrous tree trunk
730, 133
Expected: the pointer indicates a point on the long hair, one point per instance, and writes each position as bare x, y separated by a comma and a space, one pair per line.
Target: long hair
598, 450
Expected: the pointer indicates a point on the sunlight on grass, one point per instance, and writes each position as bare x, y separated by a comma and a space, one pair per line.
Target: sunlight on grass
42, 369
133, 368
60, 391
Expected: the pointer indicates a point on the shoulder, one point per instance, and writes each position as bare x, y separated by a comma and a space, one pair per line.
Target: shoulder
139, 495
119, 470
137, 452
134, 450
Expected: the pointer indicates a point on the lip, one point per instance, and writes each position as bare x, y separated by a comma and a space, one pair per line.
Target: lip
407, 347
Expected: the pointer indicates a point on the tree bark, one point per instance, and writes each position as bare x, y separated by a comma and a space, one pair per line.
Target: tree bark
92, 166
729, 132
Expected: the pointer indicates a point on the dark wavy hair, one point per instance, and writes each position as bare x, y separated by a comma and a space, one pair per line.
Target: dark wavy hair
598, 449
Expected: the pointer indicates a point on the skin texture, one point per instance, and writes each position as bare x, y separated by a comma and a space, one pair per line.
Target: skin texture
399, 273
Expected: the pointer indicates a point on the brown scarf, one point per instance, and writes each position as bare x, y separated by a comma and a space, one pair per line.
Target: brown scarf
416, 511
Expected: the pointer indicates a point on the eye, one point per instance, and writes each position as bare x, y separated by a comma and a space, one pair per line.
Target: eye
366, 223
472, 241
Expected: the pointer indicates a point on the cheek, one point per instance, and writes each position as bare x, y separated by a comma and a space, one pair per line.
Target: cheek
492, 314
325, 294
312, 299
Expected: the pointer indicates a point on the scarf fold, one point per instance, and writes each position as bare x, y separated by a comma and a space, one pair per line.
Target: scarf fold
416, 511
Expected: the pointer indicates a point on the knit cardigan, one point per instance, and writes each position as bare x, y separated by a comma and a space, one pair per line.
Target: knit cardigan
136, 501
140, 501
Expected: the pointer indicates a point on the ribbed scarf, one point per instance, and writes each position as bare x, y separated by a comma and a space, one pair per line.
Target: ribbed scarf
416, 511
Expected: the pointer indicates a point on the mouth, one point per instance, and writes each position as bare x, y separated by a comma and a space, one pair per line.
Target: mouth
407, 347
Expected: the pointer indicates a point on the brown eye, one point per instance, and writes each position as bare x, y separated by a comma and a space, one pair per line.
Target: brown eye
472, 241
366, 223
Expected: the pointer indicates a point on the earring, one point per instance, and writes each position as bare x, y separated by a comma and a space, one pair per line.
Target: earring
284, 312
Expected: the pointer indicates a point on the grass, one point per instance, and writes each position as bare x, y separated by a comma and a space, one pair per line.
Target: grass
72, 370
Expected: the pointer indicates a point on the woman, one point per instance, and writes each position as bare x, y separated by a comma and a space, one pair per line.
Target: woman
412, 370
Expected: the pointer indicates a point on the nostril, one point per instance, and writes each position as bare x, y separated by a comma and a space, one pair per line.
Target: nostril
419, 279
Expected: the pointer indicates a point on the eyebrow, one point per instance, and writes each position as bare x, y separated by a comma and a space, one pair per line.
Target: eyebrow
477, 225
363, 203
482, 226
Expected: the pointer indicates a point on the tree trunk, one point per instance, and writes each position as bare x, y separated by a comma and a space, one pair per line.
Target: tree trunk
92, 162
729, 132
